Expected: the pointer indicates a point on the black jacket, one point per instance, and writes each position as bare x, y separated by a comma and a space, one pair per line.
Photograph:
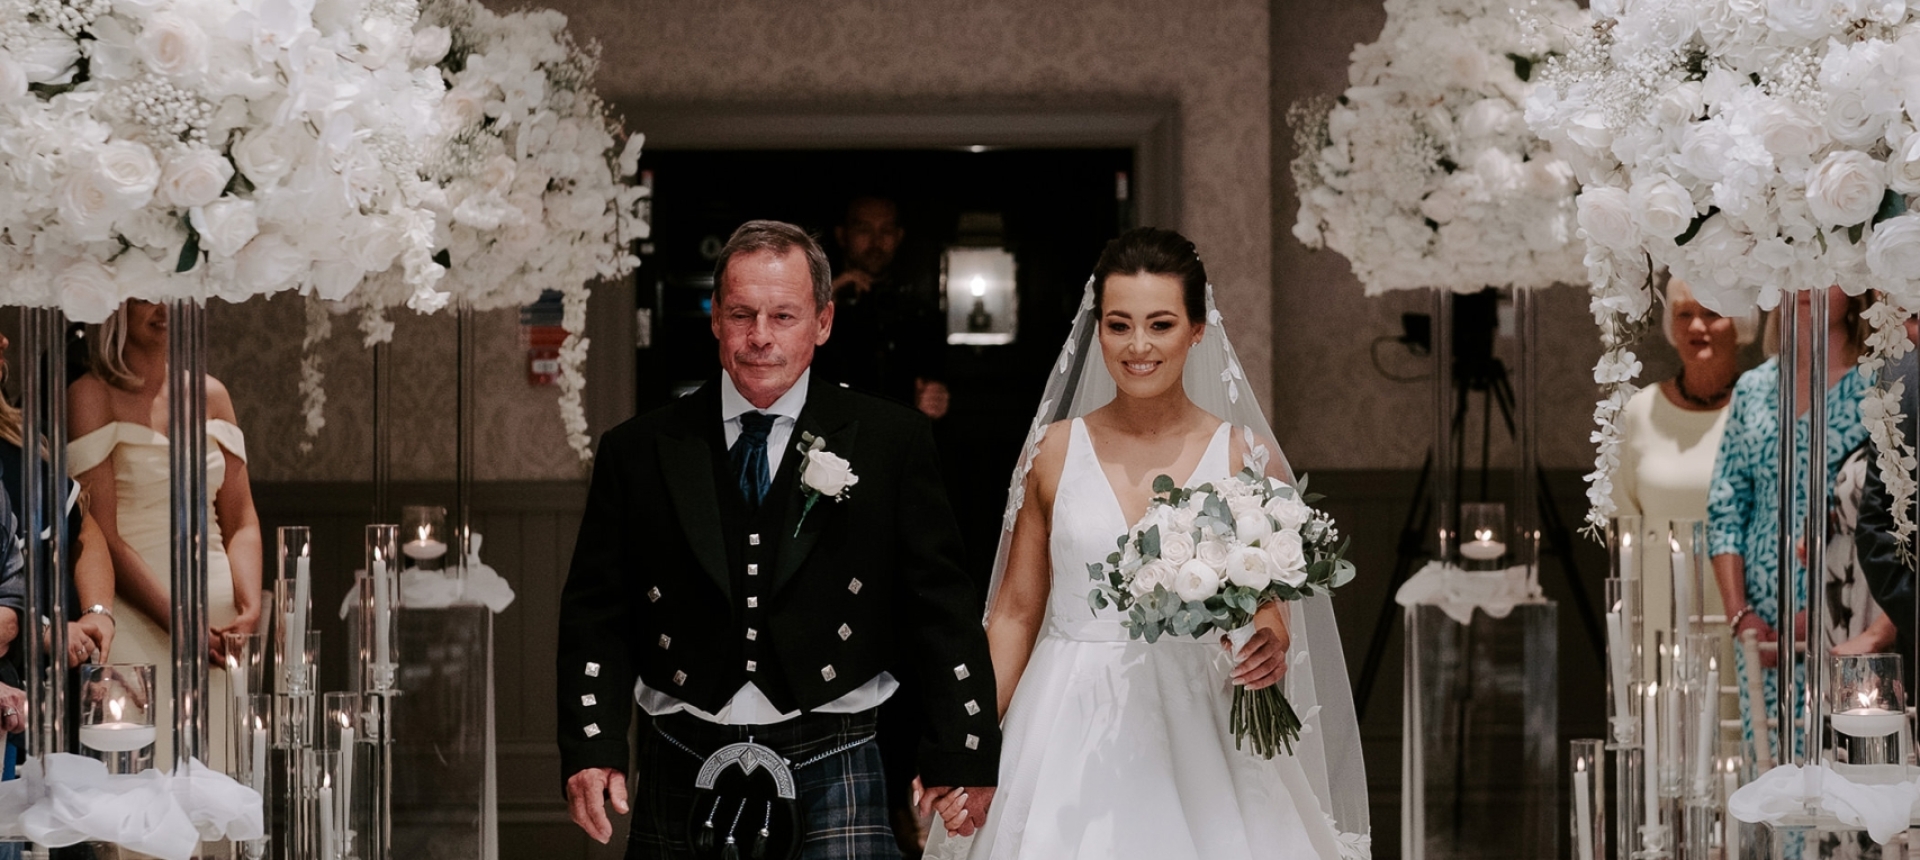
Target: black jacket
660, 589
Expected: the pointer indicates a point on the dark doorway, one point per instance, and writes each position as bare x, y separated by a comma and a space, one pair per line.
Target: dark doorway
1059, 207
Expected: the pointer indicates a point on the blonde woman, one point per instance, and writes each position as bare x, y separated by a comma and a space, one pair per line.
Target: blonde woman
117, 414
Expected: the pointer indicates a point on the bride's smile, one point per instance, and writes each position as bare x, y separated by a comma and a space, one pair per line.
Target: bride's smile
1145, 333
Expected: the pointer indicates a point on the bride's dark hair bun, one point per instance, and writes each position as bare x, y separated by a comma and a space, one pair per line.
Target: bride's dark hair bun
1154, 251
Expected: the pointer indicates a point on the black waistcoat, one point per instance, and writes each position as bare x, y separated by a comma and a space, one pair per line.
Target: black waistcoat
753, 538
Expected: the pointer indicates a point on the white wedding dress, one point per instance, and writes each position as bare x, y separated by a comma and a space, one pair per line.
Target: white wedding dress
1115, 748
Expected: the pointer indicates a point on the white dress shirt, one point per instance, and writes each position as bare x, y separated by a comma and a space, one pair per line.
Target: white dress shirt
749, 706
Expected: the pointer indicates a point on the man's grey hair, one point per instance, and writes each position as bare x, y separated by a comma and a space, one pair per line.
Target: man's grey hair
778, 237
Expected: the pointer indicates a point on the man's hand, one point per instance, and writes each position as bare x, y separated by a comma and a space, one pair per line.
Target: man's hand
931, 397
962, 810
851, 285
587, 794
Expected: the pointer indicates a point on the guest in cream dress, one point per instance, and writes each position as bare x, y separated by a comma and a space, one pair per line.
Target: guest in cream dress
117, 413
1671, 435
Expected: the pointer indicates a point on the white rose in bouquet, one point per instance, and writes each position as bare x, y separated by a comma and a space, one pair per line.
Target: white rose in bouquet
1893, 253
1288, 555
1253, 526
13, 78
225, 225
269, 263
127, 170
265, 155
1176, 547
1660, 206
86, 206
1249, 567
1289, 512
1606, 215
173, 46
1903, 166
1213, 553
1846, 188
1196, 580
430, 45
1154, 574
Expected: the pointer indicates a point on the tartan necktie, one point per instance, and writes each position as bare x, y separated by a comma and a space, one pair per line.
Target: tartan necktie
749, 456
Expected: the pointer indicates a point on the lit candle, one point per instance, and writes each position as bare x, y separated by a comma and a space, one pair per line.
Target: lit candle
237, 678
1730, 834
1682, 595
1650, 758
297, 621
1868, 719
1709, 728
326, 820
382, 605
424, 548
259, 757
1582, 809
1483, 547
117, 734
1617, 660
1670, 768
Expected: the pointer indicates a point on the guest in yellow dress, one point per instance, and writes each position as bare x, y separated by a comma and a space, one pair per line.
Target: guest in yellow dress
117, 414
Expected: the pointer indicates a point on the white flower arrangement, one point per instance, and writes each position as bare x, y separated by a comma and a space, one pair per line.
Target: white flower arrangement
1880, 412
1753, 149
197, 148
823, 475
1424, 174
530, 177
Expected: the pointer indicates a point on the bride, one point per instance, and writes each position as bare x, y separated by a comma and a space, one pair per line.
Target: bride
1115, 748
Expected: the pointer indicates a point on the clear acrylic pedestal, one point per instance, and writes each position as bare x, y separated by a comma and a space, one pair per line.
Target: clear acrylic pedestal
444, 803
1479, 775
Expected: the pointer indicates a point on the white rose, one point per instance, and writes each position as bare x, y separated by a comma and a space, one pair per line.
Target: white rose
225, 226
1289, 511
47, 59
1846, 188
374, 242
430, 45
1176, 547
128, 171
172, 45
1903, 166
1850, 121
270, 263
86, 292
1249, 568
264, 156
1488, 118
1786, 130
1253, 526
194, 177
462, 107
1153, 574
1590, 131
1196, 581
1679, 104
1289, 557
13, 78
828, 473
1606, 215
497, 174
1660, 206
86, 206
1212, 553
1894, 251
1806, 19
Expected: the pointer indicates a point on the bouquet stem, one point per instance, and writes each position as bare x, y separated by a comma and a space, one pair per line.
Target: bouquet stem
1266, 718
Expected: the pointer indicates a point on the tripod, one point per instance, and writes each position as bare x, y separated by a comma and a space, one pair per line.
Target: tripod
1487, 375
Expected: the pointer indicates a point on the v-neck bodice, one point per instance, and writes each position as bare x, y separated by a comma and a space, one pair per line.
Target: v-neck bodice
1087, 521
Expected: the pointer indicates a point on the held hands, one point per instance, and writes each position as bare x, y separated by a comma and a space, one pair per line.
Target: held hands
587, 794
1769, 657
963, 810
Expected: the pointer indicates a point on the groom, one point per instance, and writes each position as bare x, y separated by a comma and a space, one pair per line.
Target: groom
738, 586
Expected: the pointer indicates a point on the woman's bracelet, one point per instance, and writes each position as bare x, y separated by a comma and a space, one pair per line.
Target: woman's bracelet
1733, 623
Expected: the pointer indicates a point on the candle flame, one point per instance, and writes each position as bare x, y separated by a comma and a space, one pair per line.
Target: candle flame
259, 725
1653, 689
346, 722
306, 549
1579, 765
1626, 541
1867, 698
1713, 663
423, 534
376, 554
1483, 534
115, 706
1675, 542
979, 286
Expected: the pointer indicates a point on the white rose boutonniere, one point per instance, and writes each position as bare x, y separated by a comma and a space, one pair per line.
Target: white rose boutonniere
822, 474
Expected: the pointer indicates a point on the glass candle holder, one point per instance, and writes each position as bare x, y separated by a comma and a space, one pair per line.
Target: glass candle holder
424, 528
296, 648
380, 609
1483, 531
245, 665
1867, 708
116, 714
253, 742
1587, 759
348, 736
293, 603
1624, 665
1687, 546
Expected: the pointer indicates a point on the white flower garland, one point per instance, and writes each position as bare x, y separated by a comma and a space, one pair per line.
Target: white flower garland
313, 392
1880, 412
1623, 316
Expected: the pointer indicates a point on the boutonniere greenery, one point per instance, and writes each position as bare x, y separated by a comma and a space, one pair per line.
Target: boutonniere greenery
823, 474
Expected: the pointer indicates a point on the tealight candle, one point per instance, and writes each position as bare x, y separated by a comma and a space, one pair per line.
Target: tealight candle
117, 734
1868, 719
424, 547
1483, 547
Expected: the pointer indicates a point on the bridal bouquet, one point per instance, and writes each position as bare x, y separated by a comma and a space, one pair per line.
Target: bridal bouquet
1205, 559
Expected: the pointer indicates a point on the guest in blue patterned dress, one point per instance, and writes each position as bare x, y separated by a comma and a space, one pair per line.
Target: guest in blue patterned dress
1743, 507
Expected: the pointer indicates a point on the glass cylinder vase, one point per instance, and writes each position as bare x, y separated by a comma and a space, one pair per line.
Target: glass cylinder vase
379, 590
1587, 760
1625, 669
424, 528
116, 715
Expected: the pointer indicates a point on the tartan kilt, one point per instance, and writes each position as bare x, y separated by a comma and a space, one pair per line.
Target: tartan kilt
843, 800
